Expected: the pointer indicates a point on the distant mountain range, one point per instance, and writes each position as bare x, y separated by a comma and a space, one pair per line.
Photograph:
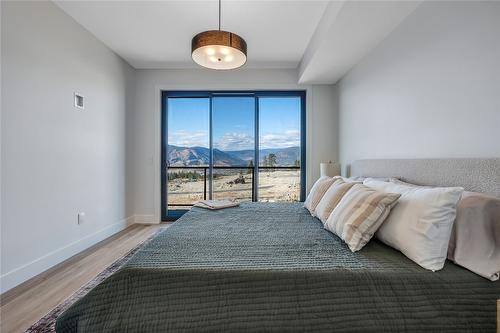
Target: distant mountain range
284, 156
192, 156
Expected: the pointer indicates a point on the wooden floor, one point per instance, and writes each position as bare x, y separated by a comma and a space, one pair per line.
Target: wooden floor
24, 305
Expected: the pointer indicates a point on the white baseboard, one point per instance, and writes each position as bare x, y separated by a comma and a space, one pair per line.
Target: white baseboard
145, 219
21, 274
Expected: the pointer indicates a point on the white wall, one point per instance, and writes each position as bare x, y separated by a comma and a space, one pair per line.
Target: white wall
321, 125
324, 131
57, 160
430, 89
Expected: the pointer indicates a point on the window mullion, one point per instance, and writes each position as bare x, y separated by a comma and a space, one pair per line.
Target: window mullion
255, 184
210, 152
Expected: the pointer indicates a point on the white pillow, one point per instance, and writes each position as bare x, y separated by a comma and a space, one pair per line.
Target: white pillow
420, 224
362, 178
475, 236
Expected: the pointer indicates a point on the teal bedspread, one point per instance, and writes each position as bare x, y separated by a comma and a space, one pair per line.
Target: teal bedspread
272, 267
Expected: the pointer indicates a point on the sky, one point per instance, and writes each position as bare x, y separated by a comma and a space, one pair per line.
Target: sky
233, 122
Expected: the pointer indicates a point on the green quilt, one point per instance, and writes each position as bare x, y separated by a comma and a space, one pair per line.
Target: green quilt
272, 267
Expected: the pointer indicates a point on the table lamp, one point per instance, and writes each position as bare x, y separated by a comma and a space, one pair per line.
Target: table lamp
329, 169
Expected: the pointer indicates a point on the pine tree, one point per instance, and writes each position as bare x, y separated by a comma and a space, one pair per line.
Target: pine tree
272, 160
250, 167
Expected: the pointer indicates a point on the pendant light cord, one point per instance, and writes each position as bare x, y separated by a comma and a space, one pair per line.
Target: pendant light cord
219, 14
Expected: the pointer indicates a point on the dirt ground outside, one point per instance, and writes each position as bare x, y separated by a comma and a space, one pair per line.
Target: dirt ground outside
274, 186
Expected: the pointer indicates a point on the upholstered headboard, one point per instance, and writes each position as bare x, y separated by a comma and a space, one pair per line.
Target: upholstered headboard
473, 174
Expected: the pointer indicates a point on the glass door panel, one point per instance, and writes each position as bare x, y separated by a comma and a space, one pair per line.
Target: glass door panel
233, 137
279, 149
188, 151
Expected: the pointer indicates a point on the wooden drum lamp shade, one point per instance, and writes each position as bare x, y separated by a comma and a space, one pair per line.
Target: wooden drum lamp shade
218, 49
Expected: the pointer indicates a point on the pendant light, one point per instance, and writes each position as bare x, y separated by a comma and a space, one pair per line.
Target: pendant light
218, 49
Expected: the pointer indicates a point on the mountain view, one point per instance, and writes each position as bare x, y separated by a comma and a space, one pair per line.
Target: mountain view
193, 156
228, 124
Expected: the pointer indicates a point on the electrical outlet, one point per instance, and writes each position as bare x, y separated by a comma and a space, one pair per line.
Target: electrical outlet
81, 218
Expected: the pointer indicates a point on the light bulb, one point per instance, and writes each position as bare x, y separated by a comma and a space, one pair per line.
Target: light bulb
210, 51
228, 58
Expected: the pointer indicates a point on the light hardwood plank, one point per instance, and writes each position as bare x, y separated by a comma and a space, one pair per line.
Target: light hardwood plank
27, 303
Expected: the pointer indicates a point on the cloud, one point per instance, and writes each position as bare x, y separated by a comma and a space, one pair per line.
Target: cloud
185, 138
235, 141
289, 138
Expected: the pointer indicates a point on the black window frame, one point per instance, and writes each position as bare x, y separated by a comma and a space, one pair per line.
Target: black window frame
169, 215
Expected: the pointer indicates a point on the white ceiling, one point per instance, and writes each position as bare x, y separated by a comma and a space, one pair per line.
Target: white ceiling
322, 39
157, 34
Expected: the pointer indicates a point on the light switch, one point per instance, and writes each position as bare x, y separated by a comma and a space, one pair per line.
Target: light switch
79, 101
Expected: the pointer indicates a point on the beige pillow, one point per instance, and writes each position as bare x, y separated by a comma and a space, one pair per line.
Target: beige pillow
331, 198
359, 214
475, 238
317, 191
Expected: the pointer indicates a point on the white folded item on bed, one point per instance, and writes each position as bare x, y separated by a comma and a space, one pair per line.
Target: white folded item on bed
216, 204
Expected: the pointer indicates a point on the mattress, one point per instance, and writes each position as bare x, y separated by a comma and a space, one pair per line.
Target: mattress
272, 267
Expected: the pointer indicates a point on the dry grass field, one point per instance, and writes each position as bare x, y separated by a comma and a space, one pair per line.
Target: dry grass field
274, 186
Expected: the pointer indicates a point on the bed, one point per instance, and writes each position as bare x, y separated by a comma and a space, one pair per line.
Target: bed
272, 267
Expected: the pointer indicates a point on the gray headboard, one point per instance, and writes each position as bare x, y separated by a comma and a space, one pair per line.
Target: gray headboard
473, 174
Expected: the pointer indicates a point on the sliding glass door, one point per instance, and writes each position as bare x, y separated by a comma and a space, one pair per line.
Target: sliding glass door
233, 137
187, 151
279, 148
238, 146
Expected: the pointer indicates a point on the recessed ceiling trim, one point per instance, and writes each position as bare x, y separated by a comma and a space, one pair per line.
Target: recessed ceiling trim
346, 34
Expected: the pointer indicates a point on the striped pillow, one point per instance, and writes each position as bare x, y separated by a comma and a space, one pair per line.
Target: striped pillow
359, 214
331, 198
317, 191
